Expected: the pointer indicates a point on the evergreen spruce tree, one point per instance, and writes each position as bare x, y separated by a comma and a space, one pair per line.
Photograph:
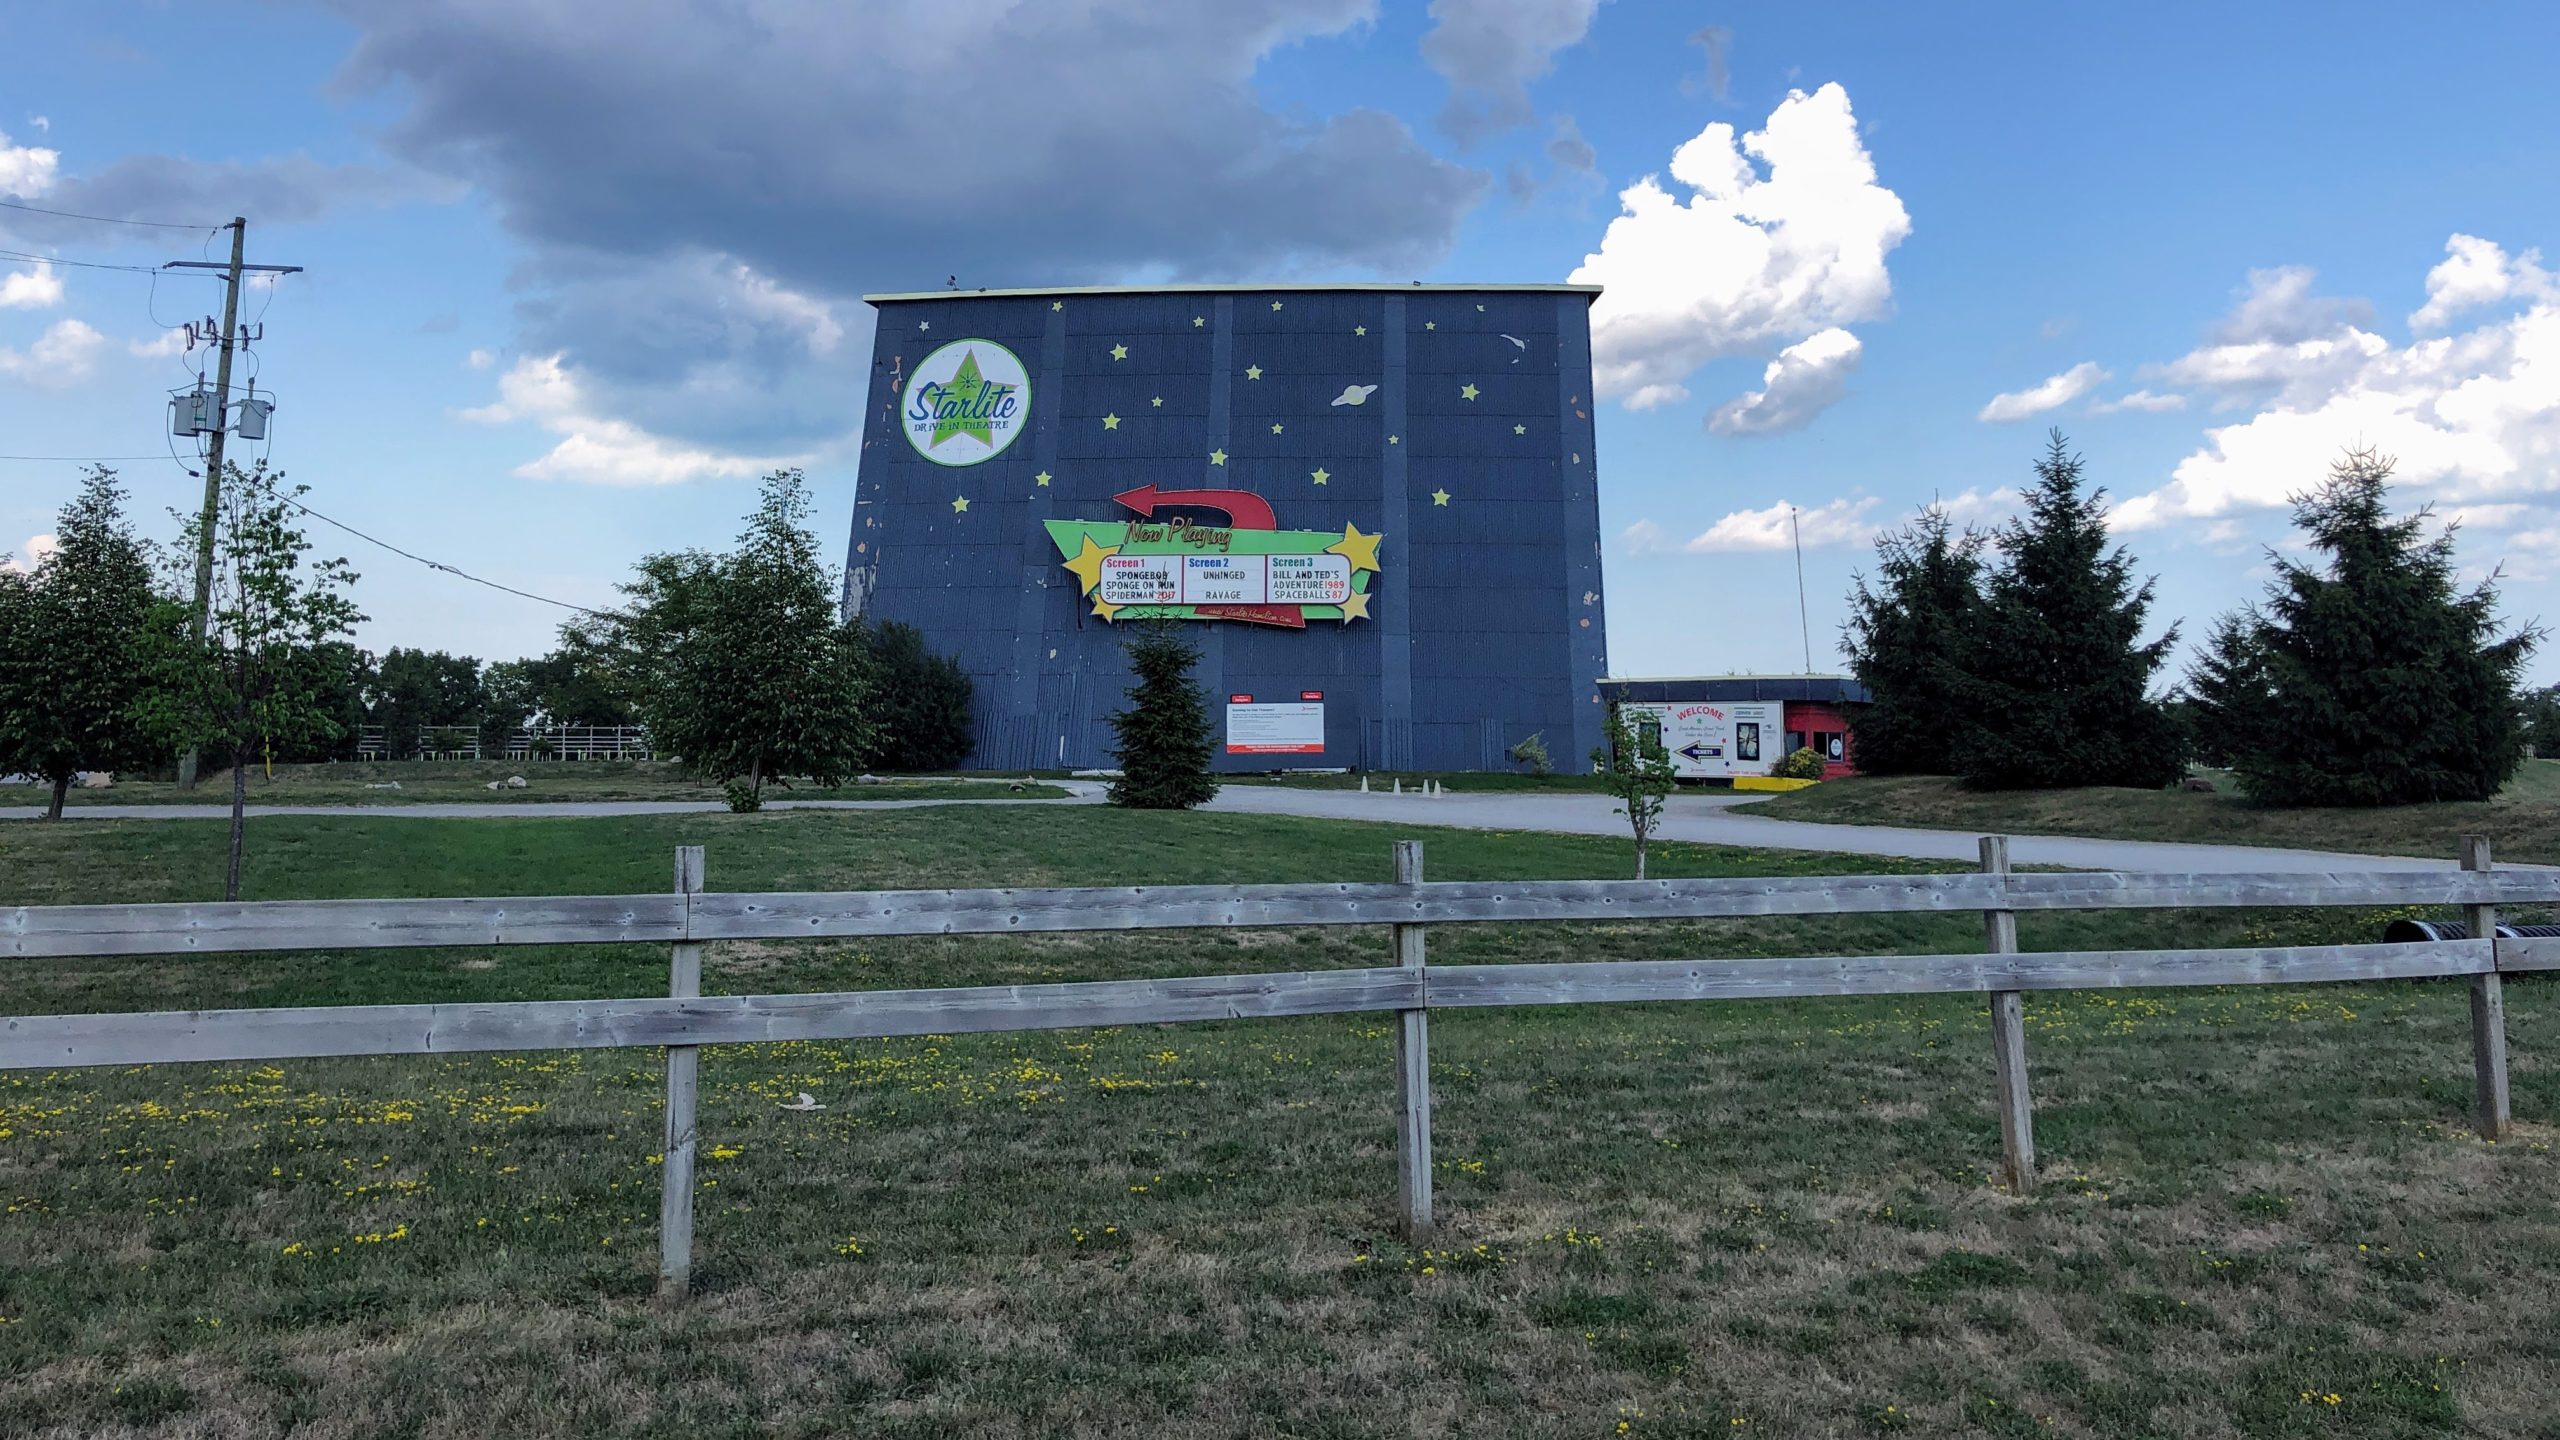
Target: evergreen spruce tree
2060, 680
1165, 740
2226, 692
1907, 638
2385, 684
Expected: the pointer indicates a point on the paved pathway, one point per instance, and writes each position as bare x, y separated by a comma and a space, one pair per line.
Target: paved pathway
1722, 818
1713, 817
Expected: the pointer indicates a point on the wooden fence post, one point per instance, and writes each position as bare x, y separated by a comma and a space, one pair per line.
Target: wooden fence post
1413, 1072
2009, 1038
675, 1172
2488, 1011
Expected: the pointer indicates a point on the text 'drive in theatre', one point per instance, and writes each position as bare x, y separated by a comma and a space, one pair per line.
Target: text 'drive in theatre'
1226, 580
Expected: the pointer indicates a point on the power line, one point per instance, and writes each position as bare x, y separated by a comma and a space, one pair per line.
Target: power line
431, 564
79, 459
21, 255
102, 219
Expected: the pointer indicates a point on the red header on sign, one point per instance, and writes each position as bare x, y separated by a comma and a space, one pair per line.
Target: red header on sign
1239, 699
1310, 694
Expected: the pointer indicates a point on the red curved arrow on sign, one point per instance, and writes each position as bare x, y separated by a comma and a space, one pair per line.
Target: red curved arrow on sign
1245, 510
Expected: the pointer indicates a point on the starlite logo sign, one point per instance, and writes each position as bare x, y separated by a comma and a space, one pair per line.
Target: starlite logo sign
966, 403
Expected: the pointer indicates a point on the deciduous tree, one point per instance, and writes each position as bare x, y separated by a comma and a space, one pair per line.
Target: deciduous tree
73, 665
1634, 767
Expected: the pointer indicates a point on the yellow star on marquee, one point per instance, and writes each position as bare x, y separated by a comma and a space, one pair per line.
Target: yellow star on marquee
1087, 566
1469, 391
1275, 427
1439, 497
1253, 372
1359, 329
1110, 422
1321, 475
1355, 606
1217, 457
1119, 352
1040, 479
960, 505
1105, 609
1361, 550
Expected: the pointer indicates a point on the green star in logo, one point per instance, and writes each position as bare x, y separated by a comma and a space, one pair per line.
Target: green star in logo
968, 387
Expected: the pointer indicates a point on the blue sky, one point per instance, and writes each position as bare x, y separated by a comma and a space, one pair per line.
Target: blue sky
576, 273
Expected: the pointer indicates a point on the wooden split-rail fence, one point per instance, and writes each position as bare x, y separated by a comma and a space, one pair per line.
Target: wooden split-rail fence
689, 916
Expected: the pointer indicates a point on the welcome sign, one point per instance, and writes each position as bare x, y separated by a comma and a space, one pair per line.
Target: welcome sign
966, 403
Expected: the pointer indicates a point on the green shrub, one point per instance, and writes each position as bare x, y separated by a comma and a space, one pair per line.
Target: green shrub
1805, 764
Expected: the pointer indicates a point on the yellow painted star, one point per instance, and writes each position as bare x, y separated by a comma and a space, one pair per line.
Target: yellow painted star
1217, 457
1430, 324
1157, 402
1110, 422
959, 504
1253, 372
1439, 497
1392, 440
1519, 429
1275, 304
1479, 309
1087, 566
1361, 550
1040, 479
1359, 329
1057, 304
1104, 608
1468, 391
1321, 475
1355, 606
1119, 352
1275, 427
1199, 320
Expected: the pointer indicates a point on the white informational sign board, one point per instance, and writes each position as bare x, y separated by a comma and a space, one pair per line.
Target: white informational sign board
1226, 579
1293, 729
1717, 739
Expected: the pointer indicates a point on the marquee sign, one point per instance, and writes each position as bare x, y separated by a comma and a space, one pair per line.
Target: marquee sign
965, 403
1248, 569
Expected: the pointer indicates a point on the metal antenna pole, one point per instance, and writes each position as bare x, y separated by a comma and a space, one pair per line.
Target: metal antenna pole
1804, 624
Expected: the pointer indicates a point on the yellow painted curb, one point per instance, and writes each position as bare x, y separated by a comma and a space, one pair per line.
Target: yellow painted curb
1769, 782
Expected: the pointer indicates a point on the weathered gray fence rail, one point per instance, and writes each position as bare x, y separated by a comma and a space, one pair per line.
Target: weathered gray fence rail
688, 917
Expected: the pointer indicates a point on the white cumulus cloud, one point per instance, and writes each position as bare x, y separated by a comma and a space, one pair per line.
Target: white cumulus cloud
598, 449
814, 318
2140, 400
2470, 417
1805, 380
1840, 522
36, 289
1645, 537
27, 169
1781, 233
63, 355
2477, 272
2052, 394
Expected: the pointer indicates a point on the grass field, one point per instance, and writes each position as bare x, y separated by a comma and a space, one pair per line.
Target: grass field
1472, 781
2263, 1212
2523, 823
360, 782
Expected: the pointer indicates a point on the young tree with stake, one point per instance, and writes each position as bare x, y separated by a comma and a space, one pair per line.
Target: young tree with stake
1635, 768
260, 679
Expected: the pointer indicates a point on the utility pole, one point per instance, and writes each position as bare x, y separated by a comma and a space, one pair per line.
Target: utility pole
239, 228
1803, 622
